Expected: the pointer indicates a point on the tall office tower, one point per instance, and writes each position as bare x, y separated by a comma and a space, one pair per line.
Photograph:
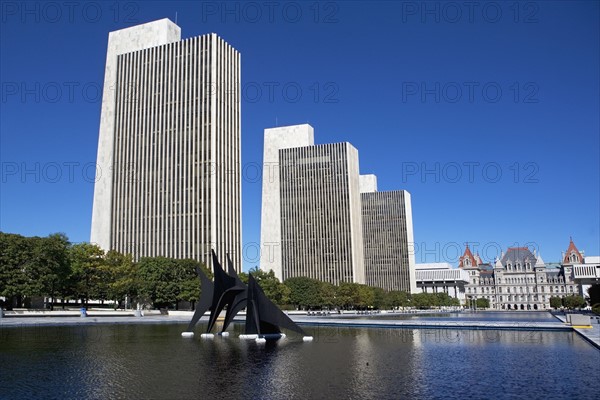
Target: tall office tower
321, 230
388, 239
169, 146
270, 232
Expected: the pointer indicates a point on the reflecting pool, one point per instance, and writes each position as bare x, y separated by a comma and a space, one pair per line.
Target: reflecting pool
490, 316
153, 361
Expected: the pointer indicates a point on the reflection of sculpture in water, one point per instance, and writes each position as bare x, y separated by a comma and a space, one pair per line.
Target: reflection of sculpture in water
264, 319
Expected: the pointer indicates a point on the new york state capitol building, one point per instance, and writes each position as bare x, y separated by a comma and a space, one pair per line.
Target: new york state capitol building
518, 280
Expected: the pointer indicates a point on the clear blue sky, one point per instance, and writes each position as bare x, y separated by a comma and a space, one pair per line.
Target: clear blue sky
487, 113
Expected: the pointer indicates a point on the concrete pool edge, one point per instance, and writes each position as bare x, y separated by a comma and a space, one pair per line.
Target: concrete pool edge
591, 335
305, 321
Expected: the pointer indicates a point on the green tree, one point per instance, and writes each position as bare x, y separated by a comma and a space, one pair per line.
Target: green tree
15, 252
123, 276
354, 295
304, 292
445, 300
48, 267
346, 294
483, 303
398, 298
366, 296
381, 300
89, 277
429, 300
165, 281
156, 281
189, 288
555, 302
572, 302
327, 292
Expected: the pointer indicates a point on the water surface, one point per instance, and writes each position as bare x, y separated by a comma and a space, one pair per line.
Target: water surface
153, 361
490, 316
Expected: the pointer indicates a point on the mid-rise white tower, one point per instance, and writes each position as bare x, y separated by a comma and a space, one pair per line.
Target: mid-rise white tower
270, 226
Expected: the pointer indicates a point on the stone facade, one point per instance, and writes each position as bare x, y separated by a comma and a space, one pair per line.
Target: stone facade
518, 280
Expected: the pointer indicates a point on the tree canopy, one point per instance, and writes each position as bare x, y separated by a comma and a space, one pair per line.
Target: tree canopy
555, 302
53, 267
483, 303
34, 266
574, 301
165, 281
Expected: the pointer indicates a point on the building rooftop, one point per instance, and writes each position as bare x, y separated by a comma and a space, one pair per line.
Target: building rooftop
592, 260
518, 255
443, 265
572, 250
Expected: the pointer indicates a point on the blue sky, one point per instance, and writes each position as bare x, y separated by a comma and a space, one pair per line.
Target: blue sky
487, 112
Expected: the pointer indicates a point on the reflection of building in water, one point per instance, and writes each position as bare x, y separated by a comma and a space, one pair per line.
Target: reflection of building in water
521, 280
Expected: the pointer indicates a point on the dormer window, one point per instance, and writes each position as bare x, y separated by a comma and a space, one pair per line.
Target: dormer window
573, 258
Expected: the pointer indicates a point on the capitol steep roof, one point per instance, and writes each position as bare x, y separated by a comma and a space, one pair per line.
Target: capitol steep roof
519, 255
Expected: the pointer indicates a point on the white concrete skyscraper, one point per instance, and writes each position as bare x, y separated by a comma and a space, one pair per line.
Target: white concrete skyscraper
270, 226
168, 180
321, 229
388, 239
322, 219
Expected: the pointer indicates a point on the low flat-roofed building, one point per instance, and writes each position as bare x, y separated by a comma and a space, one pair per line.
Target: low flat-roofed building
587, 273
441, 278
